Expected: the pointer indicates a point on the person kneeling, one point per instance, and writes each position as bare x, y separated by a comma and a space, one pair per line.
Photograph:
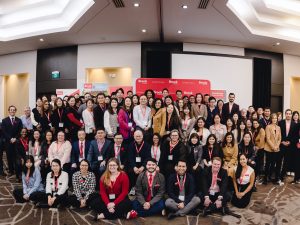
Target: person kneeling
113, 201
150, 189
214, 187
181, 191
243, 181
84, 183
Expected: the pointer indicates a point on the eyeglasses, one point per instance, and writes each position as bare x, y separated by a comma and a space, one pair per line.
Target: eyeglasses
112, 165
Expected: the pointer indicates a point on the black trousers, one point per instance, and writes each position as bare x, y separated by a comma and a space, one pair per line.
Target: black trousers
18, 195
288, 161
297, 164
1, 155
259, 159
72, 200
60, 199
121, 209
273, 163
11, 156
132, 177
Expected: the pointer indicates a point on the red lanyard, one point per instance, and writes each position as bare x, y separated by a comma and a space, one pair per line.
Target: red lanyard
48, 116
185, 123
143, 111
58, 148
172, 146
99, 146
60, 114
169, 119
140, 148
179, 185
210, 152
154, 150
25, 144
35, 149
117, 151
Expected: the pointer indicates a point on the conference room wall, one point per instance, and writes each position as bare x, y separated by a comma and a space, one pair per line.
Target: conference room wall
23, 62
109, 55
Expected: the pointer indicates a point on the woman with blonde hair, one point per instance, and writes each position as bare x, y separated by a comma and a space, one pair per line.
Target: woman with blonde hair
113, 201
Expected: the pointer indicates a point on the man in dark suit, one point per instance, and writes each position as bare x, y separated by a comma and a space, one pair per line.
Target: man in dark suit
98, 153
119, 151
150, 189
181, 192
99, 110
230, 108
266, 119
80, 150
214, 187
1, 151
11, 128
288, 141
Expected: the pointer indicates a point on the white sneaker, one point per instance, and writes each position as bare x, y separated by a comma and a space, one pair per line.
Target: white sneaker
163, 212
132, 191
288, 173
297, 181
53, 209
292, 174
280, 183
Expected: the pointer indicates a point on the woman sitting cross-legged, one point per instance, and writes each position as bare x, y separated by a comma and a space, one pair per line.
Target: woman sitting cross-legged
84, 183
113, 201
243, 180
32, 183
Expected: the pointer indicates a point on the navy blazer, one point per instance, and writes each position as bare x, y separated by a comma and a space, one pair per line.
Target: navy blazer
11, 131
292, 136
225, 111
145, 154
123, 154
94, 153
76, 151
173, 188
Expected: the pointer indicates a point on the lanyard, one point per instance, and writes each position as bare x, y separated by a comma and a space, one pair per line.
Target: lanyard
140, 148
172, 146
36, 147
58, 148
210, 152
24, 143
179, 185
185, 123
100, 146
117, 151
48, 116
60, 114
143, 111
169, 119
155, 150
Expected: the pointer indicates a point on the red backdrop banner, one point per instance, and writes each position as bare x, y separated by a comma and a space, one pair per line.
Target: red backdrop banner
187, 86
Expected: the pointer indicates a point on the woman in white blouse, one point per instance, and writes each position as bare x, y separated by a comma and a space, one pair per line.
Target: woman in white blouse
218, 129
200, 129
155, 148
34, 148
111, 119
61, 149
88, 120
187, 123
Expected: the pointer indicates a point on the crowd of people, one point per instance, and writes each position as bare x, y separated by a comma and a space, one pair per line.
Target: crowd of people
174, 156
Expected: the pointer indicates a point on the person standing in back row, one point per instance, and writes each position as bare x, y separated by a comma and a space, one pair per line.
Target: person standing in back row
230, 107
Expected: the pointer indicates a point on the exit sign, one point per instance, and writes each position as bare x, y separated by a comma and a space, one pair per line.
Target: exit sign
55, 75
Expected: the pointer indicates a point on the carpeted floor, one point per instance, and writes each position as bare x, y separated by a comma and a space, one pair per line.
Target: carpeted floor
270, 205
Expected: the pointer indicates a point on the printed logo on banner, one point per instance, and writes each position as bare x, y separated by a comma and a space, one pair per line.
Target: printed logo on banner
203, 82
142, 81
173, 81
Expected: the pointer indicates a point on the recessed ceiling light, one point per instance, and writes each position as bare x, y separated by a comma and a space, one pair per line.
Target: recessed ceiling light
184, 6
144, 30
136, 5
179, 32
278, 43
41, 39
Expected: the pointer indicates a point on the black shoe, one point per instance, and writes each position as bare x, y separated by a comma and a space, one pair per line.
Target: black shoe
224, 211
206, 211
171, 216
265, 182
254, 189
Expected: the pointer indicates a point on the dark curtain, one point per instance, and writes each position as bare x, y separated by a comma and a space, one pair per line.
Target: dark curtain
262, 82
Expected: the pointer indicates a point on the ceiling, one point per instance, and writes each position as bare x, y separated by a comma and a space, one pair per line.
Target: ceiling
218, 24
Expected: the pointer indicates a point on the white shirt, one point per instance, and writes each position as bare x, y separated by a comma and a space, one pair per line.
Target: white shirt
88, 120
141, 118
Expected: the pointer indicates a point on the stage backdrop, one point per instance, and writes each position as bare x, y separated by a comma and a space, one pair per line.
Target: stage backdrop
188, 86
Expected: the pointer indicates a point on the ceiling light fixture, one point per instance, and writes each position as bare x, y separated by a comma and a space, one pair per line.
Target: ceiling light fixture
41, 39
184, 6
179, 32
136, 5
144, 30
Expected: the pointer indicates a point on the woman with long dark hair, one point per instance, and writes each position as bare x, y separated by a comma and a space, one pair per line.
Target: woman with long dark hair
201, 130
187, 123
113, 202
125, 120
230, 152
247, 147
218, 128
74, 122
32, 183
89, 120
211, 149
22, 146
45, 164
155, 148
172, 121
195, 151
158, 114
241, 130
35, 148
243, 181
199, 109
59, 116
111, 124
259, 144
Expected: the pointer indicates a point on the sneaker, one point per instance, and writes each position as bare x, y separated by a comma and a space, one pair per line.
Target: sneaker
53, 209
163, 212
288, 173
132, 191
131, 215
280, 183
292, 174
297, 181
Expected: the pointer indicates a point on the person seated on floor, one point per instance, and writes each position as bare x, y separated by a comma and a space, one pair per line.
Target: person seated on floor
32, 183
84, 183
181, 191
113, 201
56, 187
214, 187
150, 189
243, 181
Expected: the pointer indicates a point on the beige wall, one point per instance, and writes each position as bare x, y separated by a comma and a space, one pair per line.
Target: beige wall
295, 88
16, 92
123, 76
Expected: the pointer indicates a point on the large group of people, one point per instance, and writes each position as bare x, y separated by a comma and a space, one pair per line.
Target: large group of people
174, 156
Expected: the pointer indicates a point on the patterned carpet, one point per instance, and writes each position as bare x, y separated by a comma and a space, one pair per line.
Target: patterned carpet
270, 205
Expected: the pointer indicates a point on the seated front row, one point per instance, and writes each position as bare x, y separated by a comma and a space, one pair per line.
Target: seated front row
184, 195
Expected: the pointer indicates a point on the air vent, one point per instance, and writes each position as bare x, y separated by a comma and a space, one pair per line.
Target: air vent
203, 4
119, 3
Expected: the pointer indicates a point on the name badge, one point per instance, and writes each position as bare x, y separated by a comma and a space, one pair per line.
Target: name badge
299, 140
50, 124
209, 163
100, 158
138, 159
130, 124
80, 159
61, 125
181, 198
170, 157
36, 157
212, 192
112, 196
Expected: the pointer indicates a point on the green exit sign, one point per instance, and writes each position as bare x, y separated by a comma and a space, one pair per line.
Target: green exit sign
55, 75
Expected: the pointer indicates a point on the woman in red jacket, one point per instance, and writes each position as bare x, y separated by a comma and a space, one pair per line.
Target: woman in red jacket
74, 118
113, 201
